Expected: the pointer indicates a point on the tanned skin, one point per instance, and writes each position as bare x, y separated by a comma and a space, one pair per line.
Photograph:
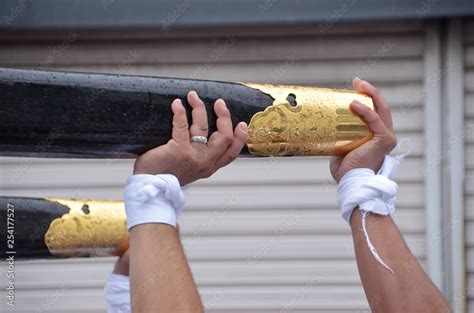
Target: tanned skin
157, 256
160, 278
408, 289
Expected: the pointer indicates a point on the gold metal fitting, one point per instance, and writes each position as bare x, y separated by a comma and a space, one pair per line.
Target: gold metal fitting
320, 123
90, 228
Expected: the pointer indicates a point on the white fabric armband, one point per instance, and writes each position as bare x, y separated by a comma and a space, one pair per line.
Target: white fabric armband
153, 199
372, 193
117, 294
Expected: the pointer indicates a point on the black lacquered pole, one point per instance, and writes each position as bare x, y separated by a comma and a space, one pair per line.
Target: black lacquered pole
26, 222
61, 114
55, 227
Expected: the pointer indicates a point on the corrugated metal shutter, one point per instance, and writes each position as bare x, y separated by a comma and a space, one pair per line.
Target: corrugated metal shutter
262, 234
469, 189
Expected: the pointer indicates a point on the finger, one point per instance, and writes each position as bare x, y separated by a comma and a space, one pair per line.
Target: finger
371, 117
180, 131
199, 126
240, 138
381, 106
223, 137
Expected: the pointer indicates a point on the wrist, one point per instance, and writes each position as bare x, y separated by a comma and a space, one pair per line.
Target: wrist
138, 168
361, 191
355, 221
153, 199
353, 217
141, 167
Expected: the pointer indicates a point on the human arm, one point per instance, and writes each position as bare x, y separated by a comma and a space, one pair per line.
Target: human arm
408, 288
160, 277
159, 272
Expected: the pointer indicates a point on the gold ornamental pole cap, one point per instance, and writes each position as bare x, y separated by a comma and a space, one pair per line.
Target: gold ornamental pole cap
319, 123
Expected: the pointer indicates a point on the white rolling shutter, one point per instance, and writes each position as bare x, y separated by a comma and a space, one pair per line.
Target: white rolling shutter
469, 157
262, 234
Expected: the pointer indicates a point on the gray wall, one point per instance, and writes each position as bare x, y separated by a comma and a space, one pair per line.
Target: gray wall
469, 154
261, 234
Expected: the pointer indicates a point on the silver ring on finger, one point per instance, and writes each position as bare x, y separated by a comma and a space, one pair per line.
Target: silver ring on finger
199, 139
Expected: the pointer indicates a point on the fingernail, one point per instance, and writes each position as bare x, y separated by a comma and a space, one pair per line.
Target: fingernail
243, 127
223, 102
357, 79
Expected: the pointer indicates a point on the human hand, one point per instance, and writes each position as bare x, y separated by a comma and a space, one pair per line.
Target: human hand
190, 161
371, 154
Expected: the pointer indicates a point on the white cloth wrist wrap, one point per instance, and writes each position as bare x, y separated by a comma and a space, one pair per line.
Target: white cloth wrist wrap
372, 193
117, 294
153, 199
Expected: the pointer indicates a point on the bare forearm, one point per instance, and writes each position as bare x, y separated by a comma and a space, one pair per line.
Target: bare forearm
159, 273
160, 276
409, 289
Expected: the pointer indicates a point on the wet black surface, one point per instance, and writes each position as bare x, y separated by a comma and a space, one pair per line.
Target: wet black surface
80, 115
28, 221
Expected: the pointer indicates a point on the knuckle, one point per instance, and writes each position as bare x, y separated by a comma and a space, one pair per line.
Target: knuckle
370, 118
180, 125
375, 91
228, 139
174, 145
233, 154
224, 138
363, 110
